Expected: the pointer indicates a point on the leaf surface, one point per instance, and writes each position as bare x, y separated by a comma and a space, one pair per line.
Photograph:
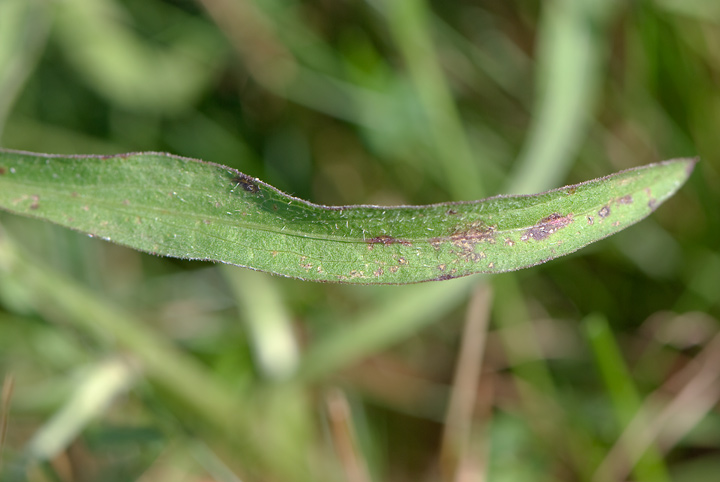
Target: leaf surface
185, 208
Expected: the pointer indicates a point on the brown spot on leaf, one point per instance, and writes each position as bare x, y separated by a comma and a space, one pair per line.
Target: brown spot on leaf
547, 226
464, 240
590, 220
466, 250
451, 212
604, 212
35, 202
394, 269
625, 199
652, 203
571, 190
305, 264
509, 242
475, 233
2, 171
386, 241
378, 272
447, 275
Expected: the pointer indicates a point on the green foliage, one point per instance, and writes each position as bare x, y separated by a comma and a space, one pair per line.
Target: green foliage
184, 208
118, 365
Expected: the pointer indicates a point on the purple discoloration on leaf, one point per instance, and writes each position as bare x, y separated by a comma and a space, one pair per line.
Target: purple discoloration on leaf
547, 226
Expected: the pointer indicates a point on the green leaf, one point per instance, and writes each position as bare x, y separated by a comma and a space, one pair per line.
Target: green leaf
184, 208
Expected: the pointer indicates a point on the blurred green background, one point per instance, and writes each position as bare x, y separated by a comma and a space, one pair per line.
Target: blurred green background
601, 366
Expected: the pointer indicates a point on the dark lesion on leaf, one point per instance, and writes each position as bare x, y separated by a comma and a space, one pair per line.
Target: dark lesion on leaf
467, 236
547, 226
245, 182
386, 240
475, 233
463, 240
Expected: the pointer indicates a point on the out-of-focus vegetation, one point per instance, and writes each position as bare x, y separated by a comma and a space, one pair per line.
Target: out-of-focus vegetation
601, 366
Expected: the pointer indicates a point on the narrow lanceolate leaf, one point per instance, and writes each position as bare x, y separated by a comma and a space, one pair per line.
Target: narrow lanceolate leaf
185, 208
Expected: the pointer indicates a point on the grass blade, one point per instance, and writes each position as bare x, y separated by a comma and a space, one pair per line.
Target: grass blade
623, 392
185, 208
571, 58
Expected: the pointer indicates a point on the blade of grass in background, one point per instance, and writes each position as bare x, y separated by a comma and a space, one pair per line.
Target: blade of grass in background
131, 72
5, 397
378, 328
410, 23
664, 421
181, 375
24, 26
538, 393
269, 324
94, 393
659, 65
463, 454
570, 61
623, 393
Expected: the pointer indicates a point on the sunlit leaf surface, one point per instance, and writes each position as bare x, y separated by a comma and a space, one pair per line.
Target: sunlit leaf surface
185, 208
